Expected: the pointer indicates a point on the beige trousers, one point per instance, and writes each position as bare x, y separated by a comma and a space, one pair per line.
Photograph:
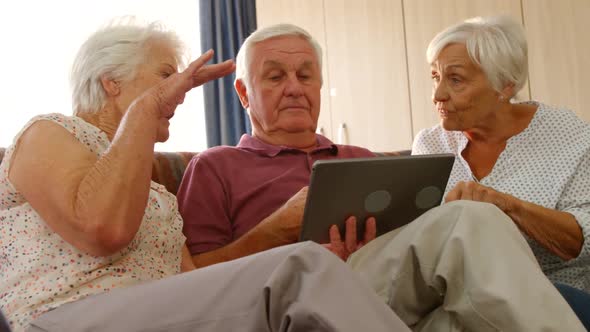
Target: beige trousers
296, 288
463, 266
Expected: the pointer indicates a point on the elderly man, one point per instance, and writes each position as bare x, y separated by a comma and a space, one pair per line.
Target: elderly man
237, 201
462, 266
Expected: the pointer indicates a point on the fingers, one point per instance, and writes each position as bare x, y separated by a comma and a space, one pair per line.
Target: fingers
350, 244
370, 230
476, 192
460, 191
452, 195
198, 63
336, 246
335, 239
350, 238
169, 93
303, 190
200, 73
210, 72
467, 192
481, 194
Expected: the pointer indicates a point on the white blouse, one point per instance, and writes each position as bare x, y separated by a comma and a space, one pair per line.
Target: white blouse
547, 164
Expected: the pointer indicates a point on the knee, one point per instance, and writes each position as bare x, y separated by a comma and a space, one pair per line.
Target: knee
473, 208
480, 213
315, 254
468, 215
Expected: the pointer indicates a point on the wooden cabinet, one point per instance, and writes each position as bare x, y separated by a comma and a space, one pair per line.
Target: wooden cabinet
367, 69
559, 52
424, 19
377, 81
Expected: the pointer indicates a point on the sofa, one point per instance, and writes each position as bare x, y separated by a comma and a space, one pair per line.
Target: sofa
168, 167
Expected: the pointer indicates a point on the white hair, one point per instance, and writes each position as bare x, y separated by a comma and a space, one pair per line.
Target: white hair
243, 59
496, 44
116, 51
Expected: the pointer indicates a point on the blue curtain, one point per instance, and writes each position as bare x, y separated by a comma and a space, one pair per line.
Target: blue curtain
224, 26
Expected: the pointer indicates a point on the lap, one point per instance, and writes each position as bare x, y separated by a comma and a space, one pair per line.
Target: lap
300, 287
210, 298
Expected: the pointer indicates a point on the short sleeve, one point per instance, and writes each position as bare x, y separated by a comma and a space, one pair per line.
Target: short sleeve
419, 145
202, 203
575, 199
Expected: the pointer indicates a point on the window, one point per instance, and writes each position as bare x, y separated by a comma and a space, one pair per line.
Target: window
41, 38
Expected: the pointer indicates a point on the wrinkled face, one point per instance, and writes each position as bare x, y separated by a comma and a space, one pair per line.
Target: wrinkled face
159, 64
285, 83
463, 95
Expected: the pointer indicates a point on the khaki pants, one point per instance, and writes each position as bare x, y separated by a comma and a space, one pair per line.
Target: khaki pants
301, 287
463, 266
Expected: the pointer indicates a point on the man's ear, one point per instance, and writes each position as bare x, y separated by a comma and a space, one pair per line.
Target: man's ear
242, 93
110, 86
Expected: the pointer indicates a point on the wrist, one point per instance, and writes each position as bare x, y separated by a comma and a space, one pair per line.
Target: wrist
274, 230
144, 116
514, 209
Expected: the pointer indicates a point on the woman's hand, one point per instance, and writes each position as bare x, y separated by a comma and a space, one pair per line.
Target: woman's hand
351, 243
163, 98
473, 191
556, 231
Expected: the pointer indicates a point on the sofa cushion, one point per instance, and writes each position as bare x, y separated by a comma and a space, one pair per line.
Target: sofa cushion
168, 168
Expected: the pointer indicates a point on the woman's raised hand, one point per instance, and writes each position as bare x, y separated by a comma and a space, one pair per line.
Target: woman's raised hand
163, 98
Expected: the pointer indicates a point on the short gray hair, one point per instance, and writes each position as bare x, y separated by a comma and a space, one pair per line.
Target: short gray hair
116, 50
243, 59
496, 44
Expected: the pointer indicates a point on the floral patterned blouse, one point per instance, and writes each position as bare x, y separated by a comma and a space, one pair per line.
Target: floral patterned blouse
40, 271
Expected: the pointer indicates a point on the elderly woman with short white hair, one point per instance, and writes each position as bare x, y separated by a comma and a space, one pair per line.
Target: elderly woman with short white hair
525, 166
529, 159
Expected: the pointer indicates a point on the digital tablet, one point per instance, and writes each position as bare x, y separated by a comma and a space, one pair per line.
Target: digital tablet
394, 190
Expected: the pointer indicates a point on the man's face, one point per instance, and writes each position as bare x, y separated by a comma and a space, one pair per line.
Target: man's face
284, 91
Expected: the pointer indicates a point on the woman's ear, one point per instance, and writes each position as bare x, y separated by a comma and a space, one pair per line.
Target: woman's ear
242, 93
110, 86
507, 92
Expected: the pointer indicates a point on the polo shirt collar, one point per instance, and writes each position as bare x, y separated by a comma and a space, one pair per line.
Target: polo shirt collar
254, 144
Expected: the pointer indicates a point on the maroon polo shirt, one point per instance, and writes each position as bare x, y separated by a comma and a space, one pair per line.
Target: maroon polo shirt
227, 190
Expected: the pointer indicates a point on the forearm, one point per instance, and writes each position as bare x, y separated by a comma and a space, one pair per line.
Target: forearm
256, 240
186, 263
113, 194
556, 231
